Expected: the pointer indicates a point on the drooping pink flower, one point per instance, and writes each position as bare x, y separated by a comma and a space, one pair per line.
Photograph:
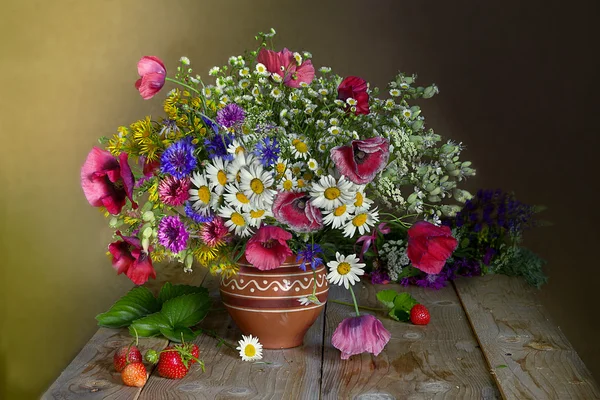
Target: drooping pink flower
356, 88
268, 248
362, 159
130, 258
153, 74
429, 246
296, 210
107, 181
215, 232
173, 191
285, 65
358, 335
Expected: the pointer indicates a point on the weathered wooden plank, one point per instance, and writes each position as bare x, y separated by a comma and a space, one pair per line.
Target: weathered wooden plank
530, 357
437, 361
293, 373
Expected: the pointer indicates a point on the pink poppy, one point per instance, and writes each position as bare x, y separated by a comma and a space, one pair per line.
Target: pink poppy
268, 248
153, 74
130, 258
363, 159
284, 64
358, 335
296, 210
106, 181
429, 246
356, 88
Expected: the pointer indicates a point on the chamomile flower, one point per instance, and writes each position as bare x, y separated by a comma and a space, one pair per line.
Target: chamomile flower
350, 101
235, 197
293, 97
330, 193
276, 77
321, 124
236, 148
334, 130
201, 197
255, 91
234, 168
299, 149
245, 72
404, 85
288, 182
334, 121
235, 221
280, 166
406, 113
207, 91
298, 57
394, 93
261, 69
250, 348
361, 202
338, 216
214, 71
244, 83
256, 216
304, 301
323, 91
312, 164
277, 93
255, 183
322, 147
345, 270
361, 221
216, 172
324, 70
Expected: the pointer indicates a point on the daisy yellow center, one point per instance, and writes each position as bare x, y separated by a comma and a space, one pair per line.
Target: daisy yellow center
340, 210
301, 183
250, 350
359, 199
288, 185
308, 176
257, 213
343, 268
300, 146
237, 219
238, 176
204, 194
239, 150
359, 220
257, 186
242, 198
280, 167
222, 177
332, 193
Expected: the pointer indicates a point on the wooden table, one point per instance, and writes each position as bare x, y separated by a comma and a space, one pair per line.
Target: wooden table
488, 338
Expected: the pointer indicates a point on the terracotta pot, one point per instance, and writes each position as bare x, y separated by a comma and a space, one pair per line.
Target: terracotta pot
265, 303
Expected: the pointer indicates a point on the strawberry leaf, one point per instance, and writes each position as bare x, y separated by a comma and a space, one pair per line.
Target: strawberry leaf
400, 315
170, 291
176, 334
149, 325
387, 297
404, 301
187, 310
137, 303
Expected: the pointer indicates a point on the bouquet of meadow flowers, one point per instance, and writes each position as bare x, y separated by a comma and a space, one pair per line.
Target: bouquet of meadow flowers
269, 159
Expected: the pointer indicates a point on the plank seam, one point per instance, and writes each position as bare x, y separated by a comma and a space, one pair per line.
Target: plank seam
323, 349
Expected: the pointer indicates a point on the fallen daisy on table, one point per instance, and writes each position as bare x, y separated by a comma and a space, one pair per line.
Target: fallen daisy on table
250, 348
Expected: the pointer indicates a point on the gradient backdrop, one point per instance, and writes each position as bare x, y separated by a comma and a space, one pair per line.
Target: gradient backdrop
517, 86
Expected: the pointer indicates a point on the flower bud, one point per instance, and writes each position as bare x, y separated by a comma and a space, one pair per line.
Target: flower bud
430, 91
189, 260
462, 195
148, 216
450, 210
146, 244
412, 198
114, 222
434, 199
147, 232
417, 125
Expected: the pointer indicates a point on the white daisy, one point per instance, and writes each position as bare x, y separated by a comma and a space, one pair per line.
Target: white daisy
244, 71
404, 85
250, 348
235, 197
361, 202
207, 92
185, 60
280, 166
255, 183
277, 93
261, 69
323, 91
406, 113
244, 83
276, 77
297, 57
235, 221
345, 270
201, 197
299, 149
394, 93
236, 147
334, 121
304, 301
338, 216
362, 221
330, 193
334, 130
312, 164
351, 102
256, 216
288, 182
241, 160
293, 97
216, 172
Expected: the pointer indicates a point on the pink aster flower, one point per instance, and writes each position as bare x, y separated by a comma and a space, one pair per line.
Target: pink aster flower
153, 74
215, 233
355, 88
107, 181
361, 334
173, 191
268, 248
172, 233
296, 210
363, 159
130, 258
285, 65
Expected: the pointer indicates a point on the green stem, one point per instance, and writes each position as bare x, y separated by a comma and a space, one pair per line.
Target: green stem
355, 302
213, 334
182, 84
363, 307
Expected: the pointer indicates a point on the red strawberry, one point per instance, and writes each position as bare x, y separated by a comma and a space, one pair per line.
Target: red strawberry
195, 351
126, 355
419, 315
170, 364
134, 374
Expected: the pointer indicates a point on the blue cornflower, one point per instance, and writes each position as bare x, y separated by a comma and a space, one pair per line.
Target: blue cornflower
217, 146
309, 255
178, 159
230, 115
196, 216
209, 122
268, 151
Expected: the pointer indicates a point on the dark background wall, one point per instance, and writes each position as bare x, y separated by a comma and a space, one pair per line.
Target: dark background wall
518, 87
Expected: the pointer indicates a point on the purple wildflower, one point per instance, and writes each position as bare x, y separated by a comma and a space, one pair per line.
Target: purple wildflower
467, 267
309, 255
196, 216
489, 254
178, 159
379, 277
217, 146
267, 150
230, 115
172, 234
209, 122
433, 281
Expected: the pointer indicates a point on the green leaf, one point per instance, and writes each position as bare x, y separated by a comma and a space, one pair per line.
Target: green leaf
137, 303
404, 301
387, 297
409, 271
186, 310
149, 326
400, 314
169, 291
501, 366
176, 334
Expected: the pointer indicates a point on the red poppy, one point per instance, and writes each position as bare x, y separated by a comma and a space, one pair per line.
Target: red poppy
355, 88
363, 159
153, 74
106, 181
284, 64
295, 210
130, 258
429, 246
268, 248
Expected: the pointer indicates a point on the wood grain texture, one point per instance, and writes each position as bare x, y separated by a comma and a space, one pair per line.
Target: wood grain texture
529, 355
437, 361
292, 373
